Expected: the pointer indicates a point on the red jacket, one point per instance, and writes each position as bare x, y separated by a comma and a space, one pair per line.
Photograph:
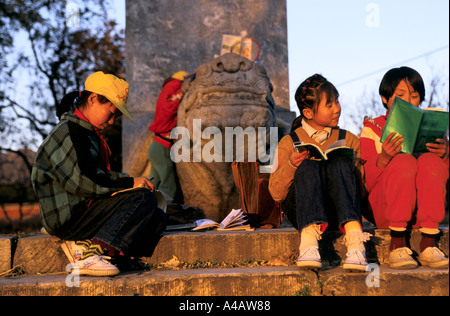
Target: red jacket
371, 148
166, 111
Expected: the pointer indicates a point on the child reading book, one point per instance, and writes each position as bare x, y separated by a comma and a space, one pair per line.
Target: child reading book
317, 194
405, 191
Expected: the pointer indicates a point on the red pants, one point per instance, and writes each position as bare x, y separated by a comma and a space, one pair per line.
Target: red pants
408, 185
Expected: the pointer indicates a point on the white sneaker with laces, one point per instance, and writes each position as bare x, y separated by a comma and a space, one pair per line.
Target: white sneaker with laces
95, 266
401, 258
434, 258
356, 260
356, 253
310, 258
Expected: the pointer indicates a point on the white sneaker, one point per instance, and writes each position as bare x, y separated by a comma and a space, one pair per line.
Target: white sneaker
96, 266
310, 258
401, 258
434, 258
356, 260
356, 254
75, 249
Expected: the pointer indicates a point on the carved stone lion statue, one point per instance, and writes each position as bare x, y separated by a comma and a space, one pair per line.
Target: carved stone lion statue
229, 93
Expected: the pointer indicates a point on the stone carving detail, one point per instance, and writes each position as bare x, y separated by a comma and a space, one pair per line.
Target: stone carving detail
229, 91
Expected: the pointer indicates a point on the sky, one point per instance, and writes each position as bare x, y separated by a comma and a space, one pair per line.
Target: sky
353, 43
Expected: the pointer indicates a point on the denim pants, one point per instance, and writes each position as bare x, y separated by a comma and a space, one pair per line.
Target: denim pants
129, 222
324, 192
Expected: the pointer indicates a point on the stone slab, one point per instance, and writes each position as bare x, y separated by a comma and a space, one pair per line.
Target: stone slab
262, 281
418, 282
5, 253
42, 254
215, 246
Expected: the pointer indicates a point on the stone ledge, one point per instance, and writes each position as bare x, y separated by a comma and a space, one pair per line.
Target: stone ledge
261, 281
42, 254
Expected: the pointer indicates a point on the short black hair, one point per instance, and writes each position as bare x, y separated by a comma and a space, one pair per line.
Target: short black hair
393, 78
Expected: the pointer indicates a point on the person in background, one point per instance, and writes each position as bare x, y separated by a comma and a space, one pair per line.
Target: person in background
163, 172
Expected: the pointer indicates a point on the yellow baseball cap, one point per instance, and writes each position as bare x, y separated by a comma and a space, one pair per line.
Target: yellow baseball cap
179, 75
112, 88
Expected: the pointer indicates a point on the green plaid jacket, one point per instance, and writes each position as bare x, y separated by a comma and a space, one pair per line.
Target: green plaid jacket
69, 172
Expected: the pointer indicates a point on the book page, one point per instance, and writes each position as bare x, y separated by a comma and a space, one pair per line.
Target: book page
434, 125
205, 224
346, 152
233, 214
314, 152
339, 143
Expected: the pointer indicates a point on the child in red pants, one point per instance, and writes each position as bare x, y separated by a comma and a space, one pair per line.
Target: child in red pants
405, 190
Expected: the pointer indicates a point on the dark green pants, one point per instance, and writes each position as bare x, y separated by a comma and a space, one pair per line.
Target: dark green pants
162, 169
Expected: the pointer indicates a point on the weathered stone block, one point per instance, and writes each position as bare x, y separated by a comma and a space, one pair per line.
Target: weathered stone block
40, 254
5, 253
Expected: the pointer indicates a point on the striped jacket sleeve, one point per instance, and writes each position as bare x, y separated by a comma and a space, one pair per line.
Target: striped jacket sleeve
370, 150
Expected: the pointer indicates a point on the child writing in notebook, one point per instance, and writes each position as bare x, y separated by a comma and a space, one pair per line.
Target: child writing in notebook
73, 181
405, 191
318, 194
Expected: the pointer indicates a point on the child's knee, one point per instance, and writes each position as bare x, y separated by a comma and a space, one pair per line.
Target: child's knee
432, 165
404, 165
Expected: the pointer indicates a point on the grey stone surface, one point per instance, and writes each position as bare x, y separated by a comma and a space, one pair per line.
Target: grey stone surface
165, 36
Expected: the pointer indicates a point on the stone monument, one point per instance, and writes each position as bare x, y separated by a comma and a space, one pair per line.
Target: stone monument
166, 36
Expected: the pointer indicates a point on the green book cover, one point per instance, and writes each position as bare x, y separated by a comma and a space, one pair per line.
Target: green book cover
417, 126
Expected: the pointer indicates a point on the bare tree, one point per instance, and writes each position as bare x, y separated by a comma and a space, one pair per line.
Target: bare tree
58, 58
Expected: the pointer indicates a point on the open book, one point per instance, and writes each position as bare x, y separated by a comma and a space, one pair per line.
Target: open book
417, 126
315, 153
236, 220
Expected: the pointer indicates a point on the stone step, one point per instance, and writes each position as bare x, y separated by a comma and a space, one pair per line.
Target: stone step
260, 281
42, 253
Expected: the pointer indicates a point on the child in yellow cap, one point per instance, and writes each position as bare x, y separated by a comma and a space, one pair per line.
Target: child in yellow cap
73, 181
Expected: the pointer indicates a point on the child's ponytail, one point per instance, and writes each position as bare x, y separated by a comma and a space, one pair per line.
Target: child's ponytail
72, 101
309, 93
